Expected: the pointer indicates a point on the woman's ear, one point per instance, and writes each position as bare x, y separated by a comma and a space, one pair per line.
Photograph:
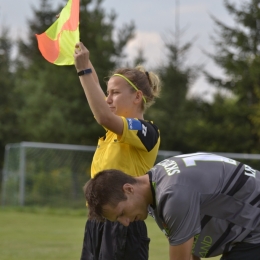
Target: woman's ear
139, 96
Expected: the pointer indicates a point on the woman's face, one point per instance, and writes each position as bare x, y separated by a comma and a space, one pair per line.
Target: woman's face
121, 98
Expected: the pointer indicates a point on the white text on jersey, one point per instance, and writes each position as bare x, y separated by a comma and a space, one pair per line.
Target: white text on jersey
171, 167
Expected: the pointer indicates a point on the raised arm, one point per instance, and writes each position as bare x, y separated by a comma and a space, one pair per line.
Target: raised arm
94, 93
95, 76
182, 252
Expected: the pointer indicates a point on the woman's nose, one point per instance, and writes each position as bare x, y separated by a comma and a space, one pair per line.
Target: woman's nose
108, 99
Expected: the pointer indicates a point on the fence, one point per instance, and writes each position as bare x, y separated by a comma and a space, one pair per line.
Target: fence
45, 174
48, 174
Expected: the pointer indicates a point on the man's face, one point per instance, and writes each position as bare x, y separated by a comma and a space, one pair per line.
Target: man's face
132, 209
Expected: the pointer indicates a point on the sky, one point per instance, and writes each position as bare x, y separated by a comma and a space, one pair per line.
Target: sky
155, 22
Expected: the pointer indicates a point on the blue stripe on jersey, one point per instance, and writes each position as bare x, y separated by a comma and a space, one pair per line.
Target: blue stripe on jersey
134, 124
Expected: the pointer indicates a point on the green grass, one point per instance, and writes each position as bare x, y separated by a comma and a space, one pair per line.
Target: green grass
47, 234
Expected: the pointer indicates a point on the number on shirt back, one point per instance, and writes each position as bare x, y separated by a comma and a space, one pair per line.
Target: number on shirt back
190, 159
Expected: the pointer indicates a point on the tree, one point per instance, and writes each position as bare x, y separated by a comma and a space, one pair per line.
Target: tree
54, 106
237, 52
8, 98
139, 59
218, 126
171, 111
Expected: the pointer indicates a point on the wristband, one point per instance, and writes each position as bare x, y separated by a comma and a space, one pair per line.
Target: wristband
83, 72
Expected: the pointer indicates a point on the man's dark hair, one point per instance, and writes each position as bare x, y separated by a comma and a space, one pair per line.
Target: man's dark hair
106, 188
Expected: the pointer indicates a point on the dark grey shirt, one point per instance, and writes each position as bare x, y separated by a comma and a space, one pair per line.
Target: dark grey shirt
213, 198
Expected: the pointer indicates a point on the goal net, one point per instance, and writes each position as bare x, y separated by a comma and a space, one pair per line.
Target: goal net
42, 174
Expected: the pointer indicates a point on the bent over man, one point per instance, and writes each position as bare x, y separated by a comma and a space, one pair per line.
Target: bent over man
206, 204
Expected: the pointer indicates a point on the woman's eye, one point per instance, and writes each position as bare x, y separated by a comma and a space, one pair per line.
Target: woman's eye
113, 93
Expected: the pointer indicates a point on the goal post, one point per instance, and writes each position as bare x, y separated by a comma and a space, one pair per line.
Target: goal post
47, 174
53, 175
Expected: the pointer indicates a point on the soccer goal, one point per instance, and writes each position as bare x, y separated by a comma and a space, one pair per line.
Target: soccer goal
45, 174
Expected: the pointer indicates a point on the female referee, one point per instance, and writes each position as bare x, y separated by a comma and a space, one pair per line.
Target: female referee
130, 144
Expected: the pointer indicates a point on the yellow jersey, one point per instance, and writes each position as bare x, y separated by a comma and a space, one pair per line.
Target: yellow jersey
134, 152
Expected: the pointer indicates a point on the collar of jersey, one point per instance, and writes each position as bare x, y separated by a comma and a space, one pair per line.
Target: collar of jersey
152, 185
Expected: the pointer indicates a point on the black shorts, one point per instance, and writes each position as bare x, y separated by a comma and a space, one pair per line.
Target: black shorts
243, 251
113, 241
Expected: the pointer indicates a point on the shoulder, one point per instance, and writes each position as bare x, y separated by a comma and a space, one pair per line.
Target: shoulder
150, 126
147, 128
149, 134
148, 122
143, 131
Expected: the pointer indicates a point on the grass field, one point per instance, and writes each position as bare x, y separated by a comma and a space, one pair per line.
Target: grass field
47, 234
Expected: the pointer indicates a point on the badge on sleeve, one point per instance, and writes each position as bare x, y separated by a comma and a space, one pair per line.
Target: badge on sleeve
134, 124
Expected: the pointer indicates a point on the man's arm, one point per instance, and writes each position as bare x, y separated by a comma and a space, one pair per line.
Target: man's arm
183, 251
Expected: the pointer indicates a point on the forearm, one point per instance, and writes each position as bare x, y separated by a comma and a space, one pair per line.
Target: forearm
183, 251
95, 97
90, 84
94, 93
192, 257
95, 76
82, 61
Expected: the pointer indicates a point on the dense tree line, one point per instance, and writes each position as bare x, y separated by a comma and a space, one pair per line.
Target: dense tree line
42, 102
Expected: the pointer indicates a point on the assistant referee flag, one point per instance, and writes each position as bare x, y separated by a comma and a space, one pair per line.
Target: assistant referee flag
57, 43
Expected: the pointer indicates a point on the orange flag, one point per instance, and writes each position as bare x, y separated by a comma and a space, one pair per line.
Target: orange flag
57, 43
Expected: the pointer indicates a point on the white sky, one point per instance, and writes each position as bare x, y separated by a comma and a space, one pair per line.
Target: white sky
154, 20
